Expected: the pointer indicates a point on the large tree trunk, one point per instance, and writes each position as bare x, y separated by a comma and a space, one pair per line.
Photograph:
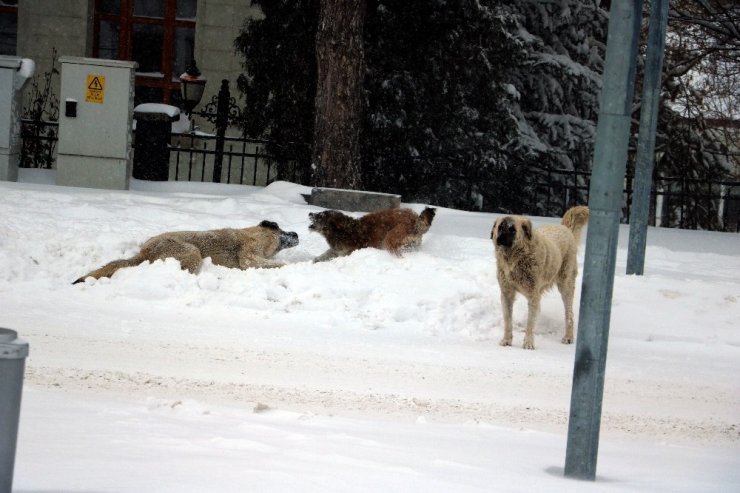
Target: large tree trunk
340, 70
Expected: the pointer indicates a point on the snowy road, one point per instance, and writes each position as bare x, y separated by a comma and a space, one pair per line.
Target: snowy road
388, 341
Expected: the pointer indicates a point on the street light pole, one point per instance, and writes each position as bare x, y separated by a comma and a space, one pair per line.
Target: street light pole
605, 201
645, 156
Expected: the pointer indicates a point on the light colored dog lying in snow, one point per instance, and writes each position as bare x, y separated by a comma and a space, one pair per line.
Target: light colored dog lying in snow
236, 248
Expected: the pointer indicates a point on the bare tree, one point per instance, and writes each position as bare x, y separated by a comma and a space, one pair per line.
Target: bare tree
340, 69
703, 56
697, 134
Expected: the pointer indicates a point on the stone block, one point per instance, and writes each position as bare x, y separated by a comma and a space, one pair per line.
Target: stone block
352, 200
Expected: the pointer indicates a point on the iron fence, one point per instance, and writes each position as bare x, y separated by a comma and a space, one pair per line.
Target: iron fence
198, 156
677, 201
39, 143
683, 201
237, 159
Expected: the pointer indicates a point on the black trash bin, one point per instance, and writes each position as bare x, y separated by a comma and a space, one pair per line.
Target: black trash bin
153, 129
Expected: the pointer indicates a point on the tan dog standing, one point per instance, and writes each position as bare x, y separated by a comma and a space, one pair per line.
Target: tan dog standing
234, 248
388, 229
532, 261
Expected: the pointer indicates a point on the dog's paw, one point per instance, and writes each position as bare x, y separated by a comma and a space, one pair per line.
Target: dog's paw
567, 340
506, 341
528, 343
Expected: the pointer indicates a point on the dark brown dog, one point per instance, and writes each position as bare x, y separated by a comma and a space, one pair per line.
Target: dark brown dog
531, 261
389, 229
236, 248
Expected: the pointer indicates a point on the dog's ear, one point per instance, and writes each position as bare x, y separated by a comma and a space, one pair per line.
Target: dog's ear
269, 224
494, 228
527, 229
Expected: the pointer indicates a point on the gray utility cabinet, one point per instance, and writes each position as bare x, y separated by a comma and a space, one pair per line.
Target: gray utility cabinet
96, 111
14, 73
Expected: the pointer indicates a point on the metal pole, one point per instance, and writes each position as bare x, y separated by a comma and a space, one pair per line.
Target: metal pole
13, 352
645, 157
605, 200
222, 121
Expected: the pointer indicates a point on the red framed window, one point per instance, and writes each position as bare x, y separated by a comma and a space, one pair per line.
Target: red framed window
8, 27
157, 34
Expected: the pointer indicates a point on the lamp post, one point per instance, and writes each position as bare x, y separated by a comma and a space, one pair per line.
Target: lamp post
644, 157
192, 85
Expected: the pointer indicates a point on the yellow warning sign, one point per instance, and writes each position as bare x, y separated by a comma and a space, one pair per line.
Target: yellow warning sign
95, 92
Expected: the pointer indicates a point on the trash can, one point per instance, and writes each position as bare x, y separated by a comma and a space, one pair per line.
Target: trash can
13, 352
151, 151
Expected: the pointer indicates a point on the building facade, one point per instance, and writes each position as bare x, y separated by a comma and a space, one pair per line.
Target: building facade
162, 36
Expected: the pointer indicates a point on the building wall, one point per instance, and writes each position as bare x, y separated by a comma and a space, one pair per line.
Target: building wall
218, 25
66, 27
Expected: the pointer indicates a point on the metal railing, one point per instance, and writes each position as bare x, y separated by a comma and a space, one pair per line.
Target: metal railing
675, 201
239, 159
39, 143
678, 201
236, 160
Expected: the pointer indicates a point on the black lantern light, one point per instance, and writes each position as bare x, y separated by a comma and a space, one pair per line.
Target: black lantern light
192, 84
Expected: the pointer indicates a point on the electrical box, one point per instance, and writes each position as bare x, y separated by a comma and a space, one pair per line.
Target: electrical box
14, 73
95, 126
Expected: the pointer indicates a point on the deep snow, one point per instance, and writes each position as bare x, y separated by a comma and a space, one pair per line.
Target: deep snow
366, 373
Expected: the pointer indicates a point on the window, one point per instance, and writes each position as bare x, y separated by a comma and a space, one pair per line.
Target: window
157, 34
8, 26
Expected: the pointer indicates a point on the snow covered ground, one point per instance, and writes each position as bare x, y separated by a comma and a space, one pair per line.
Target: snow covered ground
365, 373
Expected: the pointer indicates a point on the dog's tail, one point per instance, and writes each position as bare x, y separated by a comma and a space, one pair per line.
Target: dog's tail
425, 220
108, 269
575, 219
